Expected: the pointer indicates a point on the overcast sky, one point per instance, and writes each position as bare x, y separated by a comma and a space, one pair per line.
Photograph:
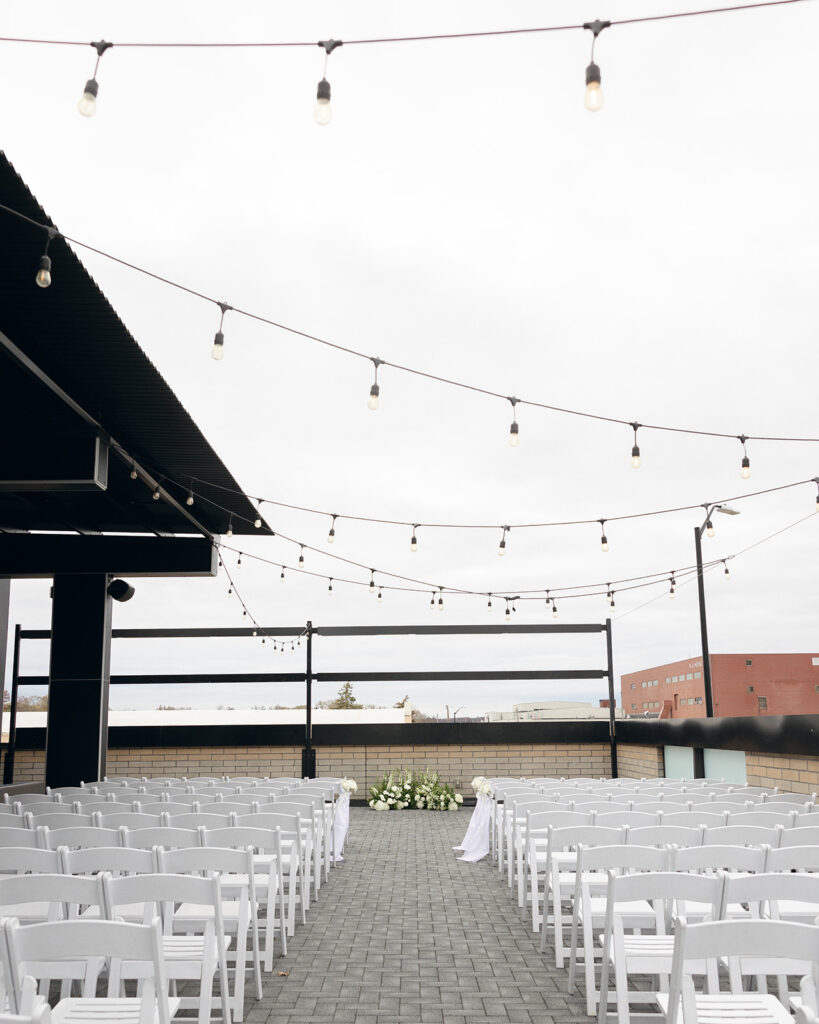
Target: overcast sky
463, 214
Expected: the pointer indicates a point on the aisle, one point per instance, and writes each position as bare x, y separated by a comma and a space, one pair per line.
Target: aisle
403, 933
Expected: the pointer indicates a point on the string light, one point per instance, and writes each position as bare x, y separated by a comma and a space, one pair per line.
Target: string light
189, 499
229, 531
432, 601
230, 590
414, 540
672, 592
372, 581
727, 571
502, 545
331, 536
709, 527
255, 633
554, 609
610, 596
157, 494
257, 522
489, 602
635, 451
281, 578
218, 350
301, 557
43, 277
87, 105
380, 595
375, 391
323, 113
440, 599
508, 612
329, 588
594, 94
514, 434
746, 462
604, 541
134, 473
239, 562
816, 481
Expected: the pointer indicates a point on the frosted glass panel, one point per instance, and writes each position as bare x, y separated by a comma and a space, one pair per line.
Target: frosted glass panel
679, 762
725, 764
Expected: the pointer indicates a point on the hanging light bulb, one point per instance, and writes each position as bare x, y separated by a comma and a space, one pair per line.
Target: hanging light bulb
432, 601
489, 602
816, 481
87, 104
189, 499
554, 609
329, 590
331, 536
709, 527
134, 473
263, 641
745, 470
375, 391
727, 572
244, 613
322, 113
255, 633
414, 540
440, 600
514, 432
301, 557
218, 350
257, 522
230, 590
43, 278
611, 599
380, 595
281, 578
635, 451
229, 531
672, 590
508, 613
372, 581
157, 494
604, 541
502, 545
594, 94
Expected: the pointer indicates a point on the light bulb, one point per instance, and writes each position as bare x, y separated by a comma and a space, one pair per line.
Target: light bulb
229, 531
255, 633
635, 457
372, 401
727, 573
257, 522
380, 596
87, 105
189, 500
218, 350
43, 278
301, 561
331, 536
746, 467
432, 602
440, 604
709, 528
330, 589
372, 586
672, 592
514, 435
502, 547
414, 541
281, 578
594, 94
156, 495
604, 544
508, 613
554, 610
489, 604
134, 474
323, 113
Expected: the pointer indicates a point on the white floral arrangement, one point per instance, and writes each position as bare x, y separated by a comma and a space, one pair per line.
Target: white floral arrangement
481, 786
421, 790
349, 785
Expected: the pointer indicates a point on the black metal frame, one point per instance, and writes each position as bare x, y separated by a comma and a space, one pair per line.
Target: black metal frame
308, 676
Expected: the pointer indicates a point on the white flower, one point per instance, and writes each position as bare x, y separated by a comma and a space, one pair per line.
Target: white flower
452, 806
381, 806
419, 803
349, 785
390, 799
458, 798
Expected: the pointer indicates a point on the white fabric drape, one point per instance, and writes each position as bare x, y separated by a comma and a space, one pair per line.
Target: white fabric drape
475, 843
340, 824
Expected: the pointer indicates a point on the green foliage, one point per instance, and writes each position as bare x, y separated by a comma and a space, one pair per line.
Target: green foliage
419, 790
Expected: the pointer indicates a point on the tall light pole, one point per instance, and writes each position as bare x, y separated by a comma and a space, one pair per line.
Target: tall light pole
707, 527
455, 712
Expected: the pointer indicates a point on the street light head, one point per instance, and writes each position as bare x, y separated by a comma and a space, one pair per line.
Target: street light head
728, 511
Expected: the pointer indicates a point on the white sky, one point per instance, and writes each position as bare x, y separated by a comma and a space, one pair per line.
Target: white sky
465, 215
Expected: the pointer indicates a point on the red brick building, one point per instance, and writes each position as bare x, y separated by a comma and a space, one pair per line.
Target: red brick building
743, 684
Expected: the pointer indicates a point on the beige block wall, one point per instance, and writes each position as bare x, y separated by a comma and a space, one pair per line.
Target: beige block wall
457, 765
797, 774
636, 761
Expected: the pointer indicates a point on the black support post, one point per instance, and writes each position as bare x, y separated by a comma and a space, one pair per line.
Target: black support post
308, 755
612, 703
8, 766
79, 676
706, 658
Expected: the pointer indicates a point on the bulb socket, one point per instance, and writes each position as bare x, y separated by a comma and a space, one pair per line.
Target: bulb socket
322, 93
45, 263
91, 88
592, 74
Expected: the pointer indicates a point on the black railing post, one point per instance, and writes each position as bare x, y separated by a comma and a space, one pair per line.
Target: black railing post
308, 755
706, 657
8, 767
612, 704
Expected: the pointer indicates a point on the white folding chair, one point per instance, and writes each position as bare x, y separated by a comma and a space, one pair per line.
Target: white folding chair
765, 819
128, 819
169, 838
626, 953
47, 897
697, 817
77, 837
743, 835
19, 860
296, 841
793, 858
665, 835
73, 950
194, 956
746, 945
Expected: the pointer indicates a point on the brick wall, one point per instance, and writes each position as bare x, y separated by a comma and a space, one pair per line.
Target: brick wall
798, 774
456, 764
636, 761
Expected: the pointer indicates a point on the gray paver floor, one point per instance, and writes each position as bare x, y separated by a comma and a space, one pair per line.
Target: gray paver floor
405, 933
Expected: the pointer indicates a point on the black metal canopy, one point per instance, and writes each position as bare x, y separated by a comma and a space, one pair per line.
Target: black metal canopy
79, 400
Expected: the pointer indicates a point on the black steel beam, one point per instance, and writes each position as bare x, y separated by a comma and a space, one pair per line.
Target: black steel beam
444, 630
475, 676
32, 556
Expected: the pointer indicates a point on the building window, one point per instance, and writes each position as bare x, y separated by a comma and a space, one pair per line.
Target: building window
673, 679
748, 662
698, 700
763, 703
750, 689
697, 675
668, 679
633, 707
643, 685
634, 686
